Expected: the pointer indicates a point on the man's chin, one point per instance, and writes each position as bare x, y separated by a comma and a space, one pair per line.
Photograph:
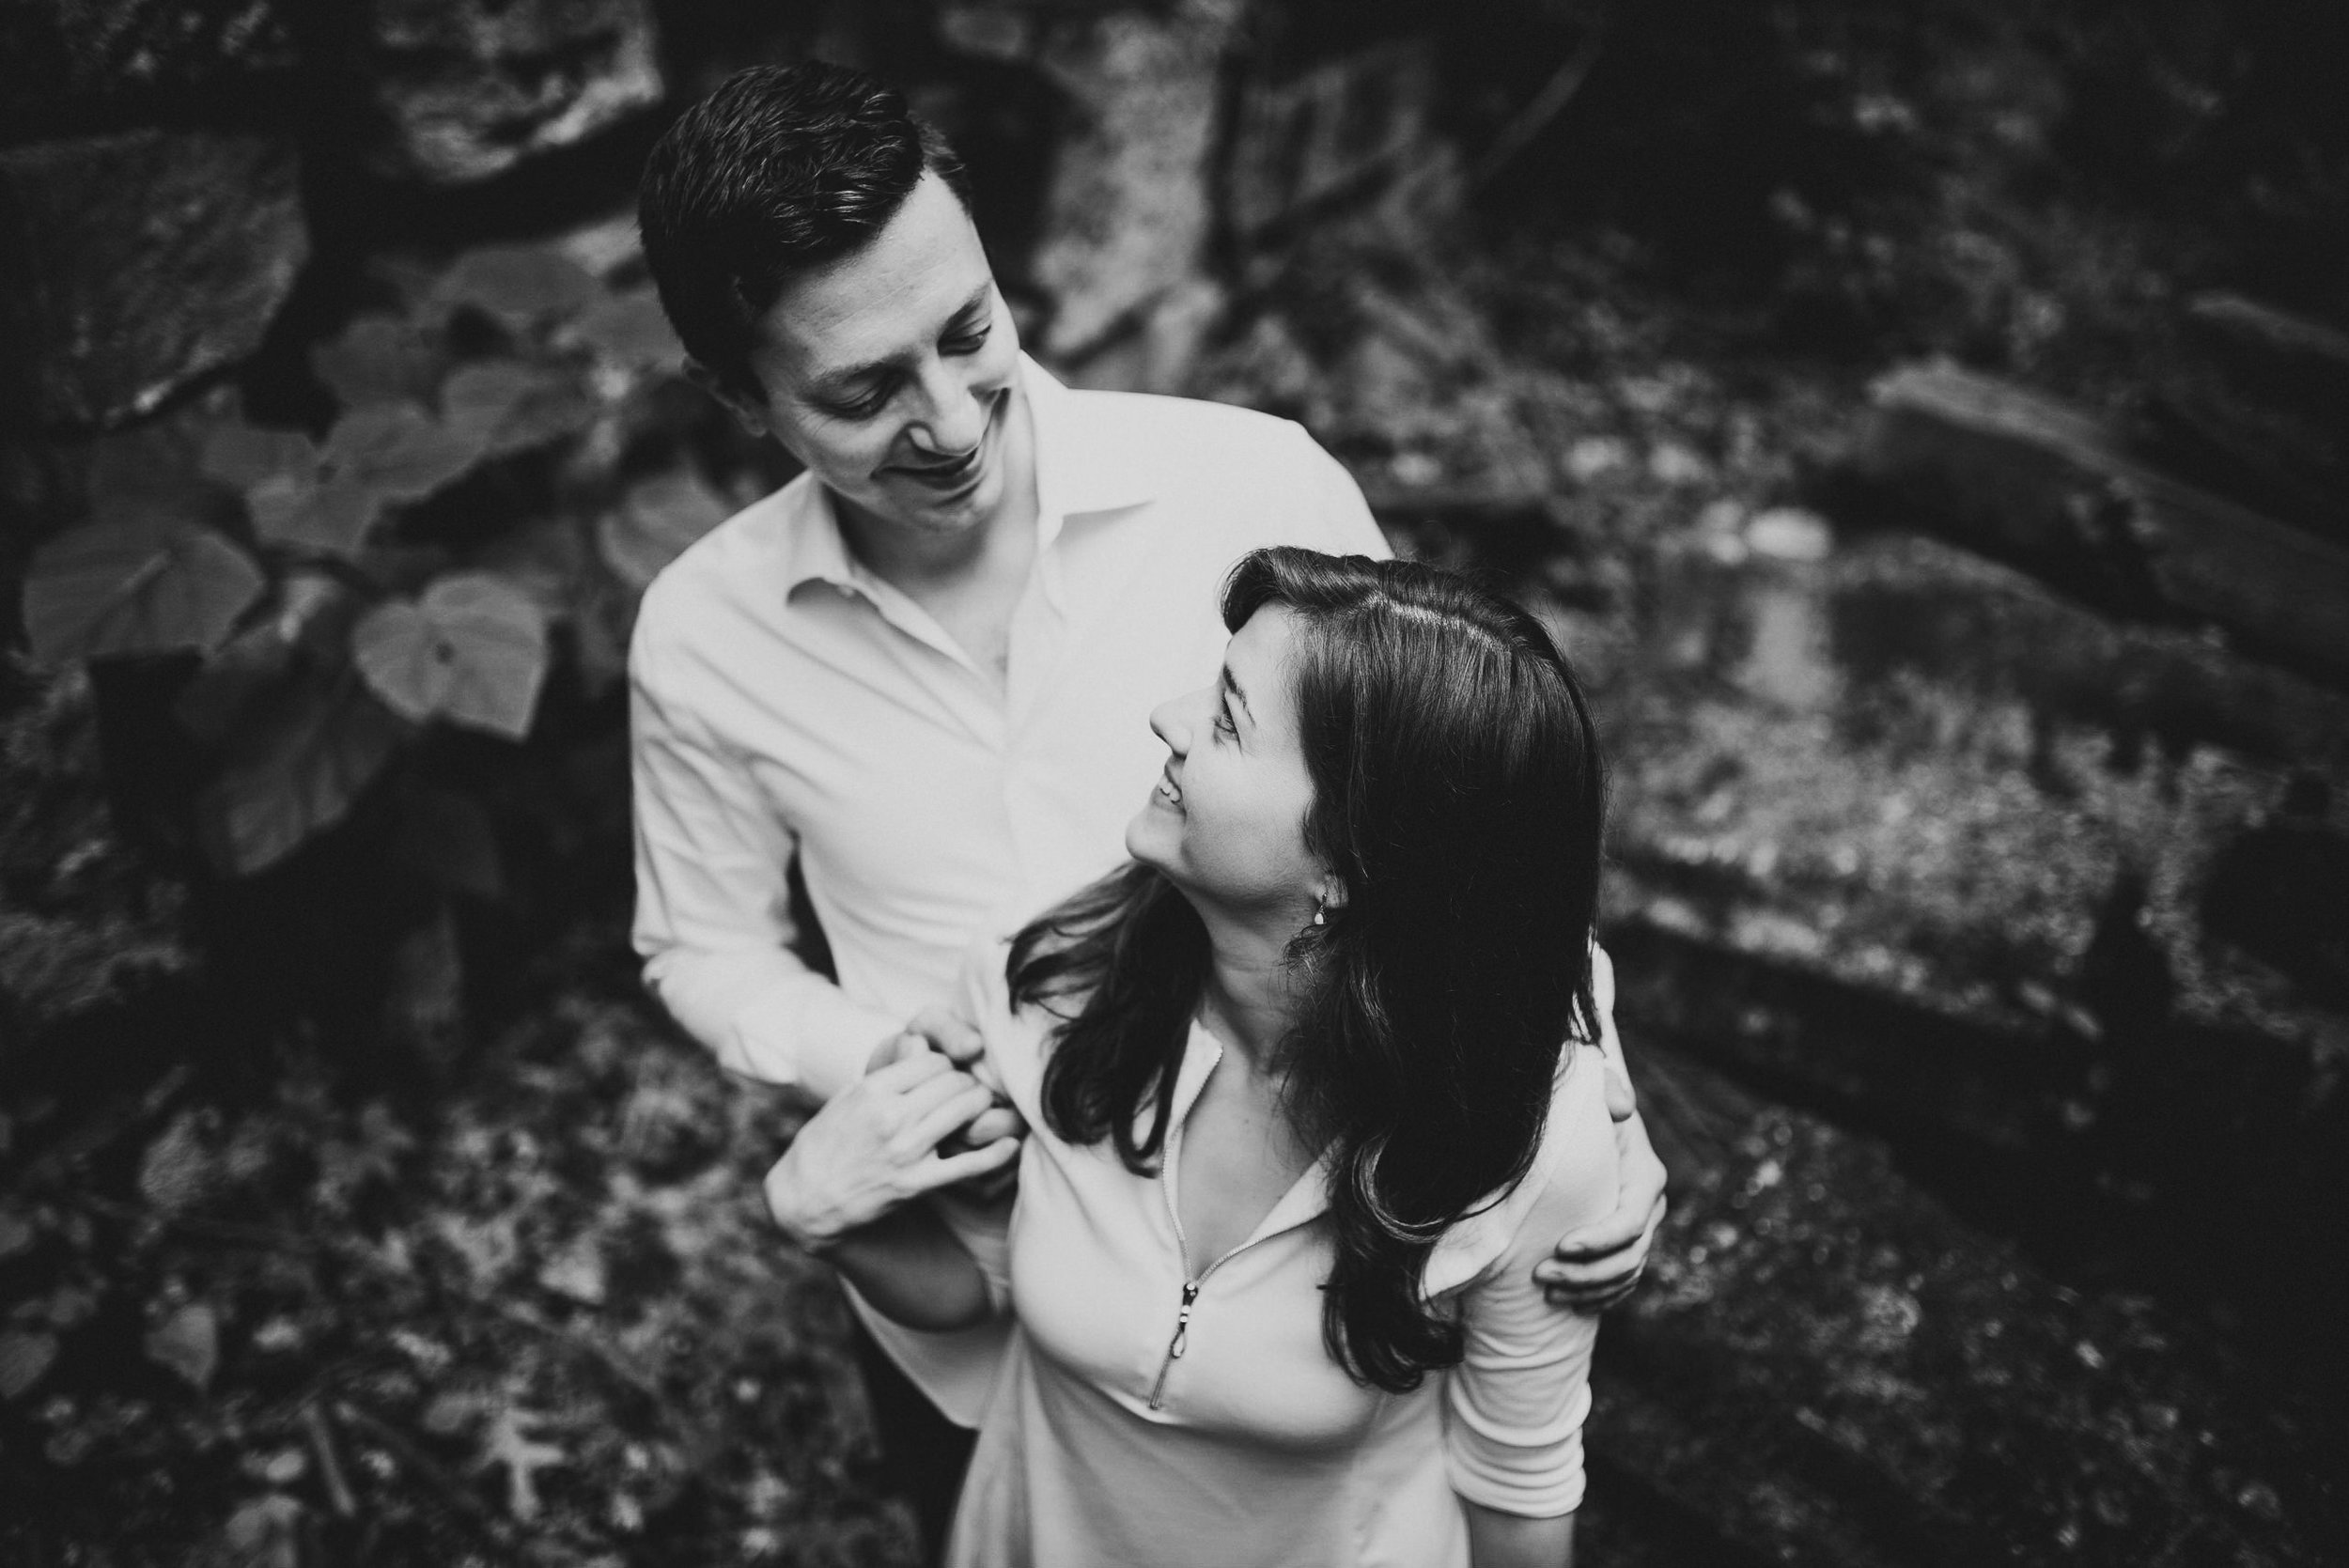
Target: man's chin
925, 511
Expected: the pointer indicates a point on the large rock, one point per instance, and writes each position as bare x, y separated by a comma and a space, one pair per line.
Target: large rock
2034, 480
1128, 210
465, 89
1924, 776
130, 264
62, 59
1825, 1368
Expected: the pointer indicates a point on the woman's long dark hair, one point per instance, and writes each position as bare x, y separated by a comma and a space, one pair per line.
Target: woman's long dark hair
1458, 799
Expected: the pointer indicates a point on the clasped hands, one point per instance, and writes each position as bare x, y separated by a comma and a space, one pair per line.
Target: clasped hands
928, 1114
925, 1115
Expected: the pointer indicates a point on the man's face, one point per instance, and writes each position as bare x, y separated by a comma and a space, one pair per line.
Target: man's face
893, 373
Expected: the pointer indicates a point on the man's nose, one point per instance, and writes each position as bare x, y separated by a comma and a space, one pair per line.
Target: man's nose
953, 416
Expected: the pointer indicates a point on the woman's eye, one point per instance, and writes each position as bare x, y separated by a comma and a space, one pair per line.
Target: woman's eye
864, 407
1223, 723
969, 342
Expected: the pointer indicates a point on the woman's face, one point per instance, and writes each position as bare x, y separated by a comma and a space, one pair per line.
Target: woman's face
1226, 823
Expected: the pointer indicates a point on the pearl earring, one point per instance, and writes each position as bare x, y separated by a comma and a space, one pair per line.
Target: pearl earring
1321, 908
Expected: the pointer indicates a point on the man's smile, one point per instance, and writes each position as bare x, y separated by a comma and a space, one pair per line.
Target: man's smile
947, 476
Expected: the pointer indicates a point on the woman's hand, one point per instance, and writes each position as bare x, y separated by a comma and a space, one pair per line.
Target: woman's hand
874, 1147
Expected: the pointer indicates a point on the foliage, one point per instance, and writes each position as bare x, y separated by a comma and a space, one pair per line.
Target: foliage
493, 491
84, 927
542, 1325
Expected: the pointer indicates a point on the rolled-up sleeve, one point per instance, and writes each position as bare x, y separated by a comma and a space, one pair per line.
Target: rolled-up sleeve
713, 914
1513, 1407
1342, 519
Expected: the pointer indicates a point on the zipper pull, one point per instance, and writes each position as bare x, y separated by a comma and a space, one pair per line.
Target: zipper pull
1175, 1347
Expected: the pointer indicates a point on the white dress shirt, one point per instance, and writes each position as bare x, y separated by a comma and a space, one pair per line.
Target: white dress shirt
787, 700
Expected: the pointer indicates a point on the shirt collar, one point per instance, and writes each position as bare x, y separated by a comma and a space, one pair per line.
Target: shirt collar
1083, 466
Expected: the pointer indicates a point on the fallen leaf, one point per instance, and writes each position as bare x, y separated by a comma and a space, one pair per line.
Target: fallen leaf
178, 1169
507, 1442
25, 1360
188, 1343
264, 1533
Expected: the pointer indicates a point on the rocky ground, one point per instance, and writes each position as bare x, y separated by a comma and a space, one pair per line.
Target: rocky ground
1979, 736
276, 1315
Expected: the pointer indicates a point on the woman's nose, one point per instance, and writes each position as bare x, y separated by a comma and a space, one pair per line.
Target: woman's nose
1168, 723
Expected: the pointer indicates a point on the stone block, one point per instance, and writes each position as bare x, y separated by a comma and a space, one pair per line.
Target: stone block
1824, 1366
62, 59
134, 263
466, 90
1346, 132
2030, 478
1925, 775
1128, 210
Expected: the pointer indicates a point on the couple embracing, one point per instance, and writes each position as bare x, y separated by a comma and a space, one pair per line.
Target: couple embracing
1219, 1117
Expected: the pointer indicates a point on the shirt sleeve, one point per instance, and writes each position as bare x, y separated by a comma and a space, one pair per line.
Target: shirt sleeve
1513, 1407
1341, 518
714, 909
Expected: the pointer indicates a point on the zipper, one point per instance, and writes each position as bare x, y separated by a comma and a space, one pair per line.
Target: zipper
1180, 1340
1175, 1347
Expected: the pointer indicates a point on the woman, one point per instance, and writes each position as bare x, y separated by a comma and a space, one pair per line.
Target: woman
1301, 1121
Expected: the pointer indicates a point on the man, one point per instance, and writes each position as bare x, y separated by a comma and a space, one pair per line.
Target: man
923, 668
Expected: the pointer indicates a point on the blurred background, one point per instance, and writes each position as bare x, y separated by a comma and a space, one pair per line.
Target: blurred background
1927, 425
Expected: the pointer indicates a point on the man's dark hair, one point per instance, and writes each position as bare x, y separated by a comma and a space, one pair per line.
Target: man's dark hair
780, 169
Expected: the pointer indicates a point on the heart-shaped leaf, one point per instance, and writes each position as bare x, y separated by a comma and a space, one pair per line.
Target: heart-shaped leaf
399, 452
630, 330
25, 1357
298, 765
378, 359
508, 406
473, 650
519, 285
313, 512
655, 522
246, 454
143, 583
187, 1343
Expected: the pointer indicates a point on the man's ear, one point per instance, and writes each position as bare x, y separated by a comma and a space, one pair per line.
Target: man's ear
748, 413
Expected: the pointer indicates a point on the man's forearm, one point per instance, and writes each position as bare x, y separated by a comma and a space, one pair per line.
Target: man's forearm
765, 1016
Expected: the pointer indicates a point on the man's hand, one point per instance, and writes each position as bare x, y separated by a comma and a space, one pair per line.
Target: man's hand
1598, 1265
874, 1147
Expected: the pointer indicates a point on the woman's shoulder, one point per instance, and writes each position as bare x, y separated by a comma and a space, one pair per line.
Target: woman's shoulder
1571, 1182
1015, 1036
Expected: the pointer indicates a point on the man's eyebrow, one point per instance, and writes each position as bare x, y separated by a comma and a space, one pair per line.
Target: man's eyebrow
842, 378
1233, 686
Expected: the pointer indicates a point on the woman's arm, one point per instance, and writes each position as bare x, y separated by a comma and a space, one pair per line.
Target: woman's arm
912, 1270
1498, 1540
1514, 1405
845, 1190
